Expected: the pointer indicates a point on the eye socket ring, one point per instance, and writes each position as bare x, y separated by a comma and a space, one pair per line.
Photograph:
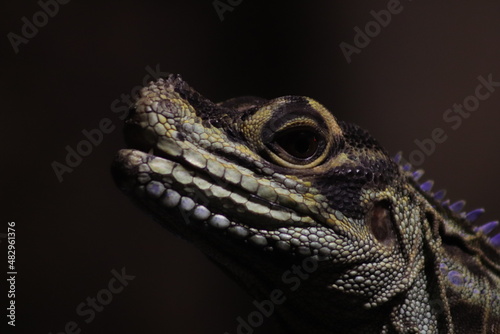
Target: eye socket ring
293, 132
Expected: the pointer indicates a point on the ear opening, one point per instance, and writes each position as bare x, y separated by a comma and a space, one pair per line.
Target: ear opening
381, 223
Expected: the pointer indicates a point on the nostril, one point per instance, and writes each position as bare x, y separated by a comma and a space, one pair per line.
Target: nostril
135, 134
132, 112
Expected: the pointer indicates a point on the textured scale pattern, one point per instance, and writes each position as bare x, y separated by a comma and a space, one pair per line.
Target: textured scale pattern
269, 187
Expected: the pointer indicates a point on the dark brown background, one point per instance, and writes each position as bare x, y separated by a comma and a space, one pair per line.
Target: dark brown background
70, 235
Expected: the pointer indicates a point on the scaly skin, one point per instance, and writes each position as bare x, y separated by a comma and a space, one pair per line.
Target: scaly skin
310, 214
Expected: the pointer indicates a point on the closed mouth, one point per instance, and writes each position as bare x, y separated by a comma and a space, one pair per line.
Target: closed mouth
193, 186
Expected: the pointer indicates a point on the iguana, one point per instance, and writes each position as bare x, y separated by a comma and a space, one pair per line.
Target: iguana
309, 214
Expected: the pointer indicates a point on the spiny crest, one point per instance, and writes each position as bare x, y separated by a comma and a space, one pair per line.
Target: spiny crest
455, 207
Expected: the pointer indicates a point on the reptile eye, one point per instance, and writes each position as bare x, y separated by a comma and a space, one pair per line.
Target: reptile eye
298, 147
299, 143
292, 132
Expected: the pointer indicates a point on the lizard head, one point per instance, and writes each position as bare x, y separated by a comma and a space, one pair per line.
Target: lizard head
261, 185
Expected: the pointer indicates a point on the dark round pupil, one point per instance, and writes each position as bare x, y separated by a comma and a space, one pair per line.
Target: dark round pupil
300, 144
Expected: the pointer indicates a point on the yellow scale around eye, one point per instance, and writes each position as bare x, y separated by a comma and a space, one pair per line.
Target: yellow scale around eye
256, 124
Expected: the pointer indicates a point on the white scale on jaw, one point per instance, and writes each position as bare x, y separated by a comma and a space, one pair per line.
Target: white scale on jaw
171, 199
